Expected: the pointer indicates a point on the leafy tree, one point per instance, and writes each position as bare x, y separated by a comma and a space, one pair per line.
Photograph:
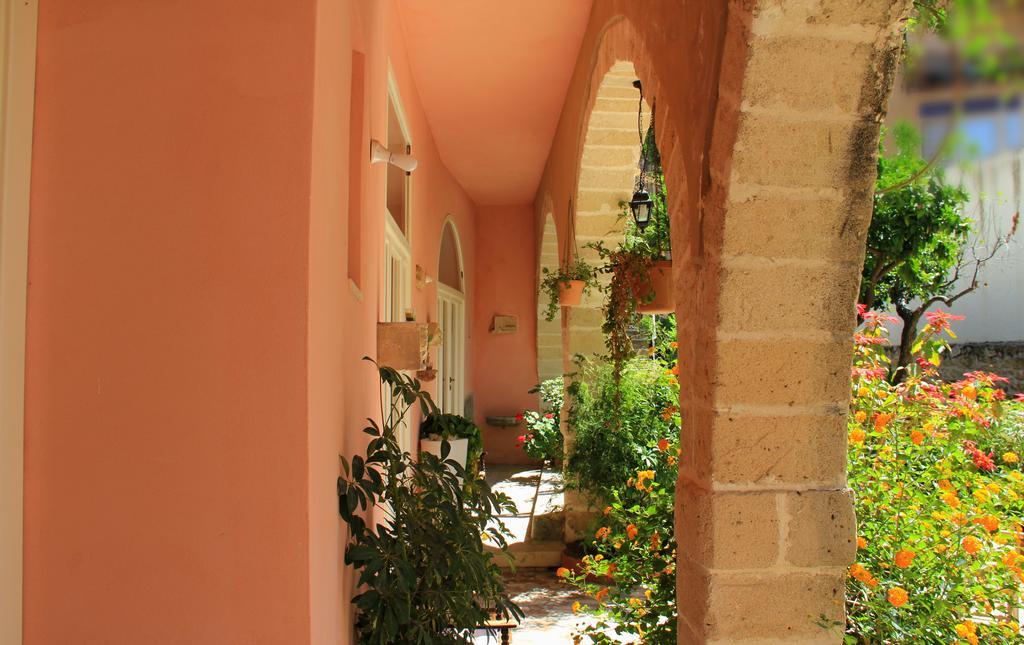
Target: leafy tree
917, 249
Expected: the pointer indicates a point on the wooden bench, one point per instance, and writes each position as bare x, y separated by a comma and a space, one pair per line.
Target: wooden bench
503, 625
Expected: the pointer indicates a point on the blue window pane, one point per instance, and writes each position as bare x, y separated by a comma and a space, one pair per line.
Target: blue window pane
1013, 134
980, 136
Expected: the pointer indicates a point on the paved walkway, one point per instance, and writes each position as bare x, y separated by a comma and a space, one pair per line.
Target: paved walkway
539, 498
547, 604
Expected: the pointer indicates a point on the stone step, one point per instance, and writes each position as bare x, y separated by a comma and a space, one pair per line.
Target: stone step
532, 553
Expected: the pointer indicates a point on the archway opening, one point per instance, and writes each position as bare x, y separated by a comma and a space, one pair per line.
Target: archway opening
451, 318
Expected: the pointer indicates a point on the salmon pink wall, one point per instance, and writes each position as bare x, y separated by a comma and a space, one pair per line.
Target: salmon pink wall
194, 344
166, 413
505, 364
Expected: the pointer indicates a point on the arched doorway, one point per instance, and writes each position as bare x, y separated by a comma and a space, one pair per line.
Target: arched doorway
549, 332
451, 317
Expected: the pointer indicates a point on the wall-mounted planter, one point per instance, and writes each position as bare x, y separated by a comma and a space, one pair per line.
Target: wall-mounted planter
660, 283
570, 294
402, 345
502, 422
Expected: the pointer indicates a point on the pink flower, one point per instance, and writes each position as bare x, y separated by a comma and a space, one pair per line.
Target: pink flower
939, 320
862, 339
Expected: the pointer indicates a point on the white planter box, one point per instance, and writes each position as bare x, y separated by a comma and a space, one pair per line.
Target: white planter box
459, 449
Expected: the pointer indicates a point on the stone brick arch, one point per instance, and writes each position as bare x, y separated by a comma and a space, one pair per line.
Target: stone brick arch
768, 117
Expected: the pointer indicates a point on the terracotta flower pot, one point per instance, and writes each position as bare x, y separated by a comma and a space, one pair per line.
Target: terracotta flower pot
660, 283
571, 294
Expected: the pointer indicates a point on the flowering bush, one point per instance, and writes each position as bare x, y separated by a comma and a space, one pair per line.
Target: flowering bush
616, 426
939, 498
630, 572
543, 437
632, 575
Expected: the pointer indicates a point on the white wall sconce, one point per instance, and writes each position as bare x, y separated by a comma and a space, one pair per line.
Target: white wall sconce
378, 154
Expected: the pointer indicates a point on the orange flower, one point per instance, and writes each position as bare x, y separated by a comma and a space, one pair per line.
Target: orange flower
951, 499
607, 509
674, 345
663, 445
898, 596
860, 416
917, 437
858, 571
990, 522
857, 436
631, 531
882, 420
971, 544
861, 543
562, 572
576, 606
904, 558
655, 541
602, 532
600, 595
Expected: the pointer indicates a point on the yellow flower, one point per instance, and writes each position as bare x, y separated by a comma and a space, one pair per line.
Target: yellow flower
648, 593
635, 602
982, 495
941, 548
861, 416
863, 391
951, 499
1010, 458
898, 596
576, 606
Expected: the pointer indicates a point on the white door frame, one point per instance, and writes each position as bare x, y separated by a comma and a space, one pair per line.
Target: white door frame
18, 25
453, 345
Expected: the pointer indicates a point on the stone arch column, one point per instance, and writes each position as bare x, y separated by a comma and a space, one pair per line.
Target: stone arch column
765, 521
549, 332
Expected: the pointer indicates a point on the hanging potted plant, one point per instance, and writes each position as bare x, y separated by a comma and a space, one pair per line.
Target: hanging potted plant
648, 232
641, 266
567, 286
573, 280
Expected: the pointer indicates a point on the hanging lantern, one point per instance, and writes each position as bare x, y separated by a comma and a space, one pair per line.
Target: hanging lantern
642, 207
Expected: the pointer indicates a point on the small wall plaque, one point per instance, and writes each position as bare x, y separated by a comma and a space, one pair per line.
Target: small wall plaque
504, 324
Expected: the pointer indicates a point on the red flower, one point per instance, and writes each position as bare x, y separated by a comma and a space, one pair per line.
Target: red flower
939, 320
861, 309
521, 439
519, 417
1018, 397
549, 415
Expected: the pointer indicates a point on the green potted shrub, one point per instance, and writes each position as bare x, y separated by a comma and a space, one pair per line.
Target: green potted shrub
461, 434
567, 286
424, 573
